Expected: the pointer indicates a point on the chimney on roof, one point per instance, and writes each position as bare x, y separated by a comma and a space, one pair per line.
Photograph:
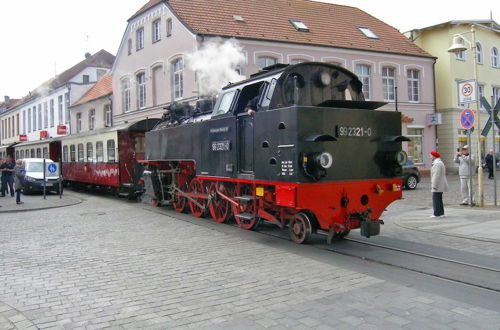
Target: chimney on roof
7, 99
87, 55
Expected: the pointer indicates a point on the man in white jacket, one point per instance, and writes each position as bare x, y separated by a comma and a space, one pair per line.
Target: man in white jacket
439, 184
465, 162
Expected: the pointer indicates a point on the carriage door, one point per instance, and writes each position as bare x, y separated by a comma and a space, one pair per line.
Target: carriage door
139, 142
245, 141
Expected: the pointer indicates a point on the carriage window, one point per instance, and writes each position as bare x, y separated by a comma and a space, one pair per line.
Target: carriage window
140, 144
90, 152
45, 152
225, 103
65, 154
99, 151
72, 153
38, 153
32, 153
110, 144
17, 154
22, 154
80, 152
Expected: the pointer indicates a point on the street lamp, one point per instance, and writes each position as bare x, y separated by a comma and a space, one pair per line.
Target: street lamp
457, 47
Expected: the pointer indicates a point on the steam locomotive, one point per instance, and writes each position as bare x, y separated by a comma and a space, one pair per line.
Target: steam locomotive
315, 156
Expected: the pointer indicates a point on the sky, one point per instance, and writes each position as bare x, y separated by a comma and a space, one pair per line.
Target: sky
42, 38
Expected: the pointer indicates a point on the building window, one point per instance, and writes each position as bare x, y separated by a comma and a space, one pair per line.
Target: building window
32, 153
51, 112
265, 61
110, 144
39, 117
38, 153
92, 119
157, 30
60, 109
24, 121
29, 120
107, 115
66, 107
45, 152
494, 57
481, 95
72, 152
413, 85
415, 151
367, 32
169, 27
299, 25
141, 90
45, 115
86, 78
90, 152
22, 154
34, 118
479, 53
80, 152
65, 154
99, 151
389, 83
126, 94
363, 72
129, 46
100, 73
78, 122
139, 42
177, 78
496, 95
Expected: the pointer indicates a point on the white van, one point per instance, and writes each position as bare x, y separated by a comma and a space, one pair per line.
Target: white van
33, 178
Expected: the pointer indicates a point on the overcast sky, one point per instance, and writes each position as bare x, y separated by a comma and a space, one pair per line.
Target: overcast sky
41, 38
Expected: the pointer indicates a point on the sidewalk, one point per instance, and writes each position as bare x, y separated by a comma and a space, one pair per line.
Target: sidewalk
476, 223
36, 202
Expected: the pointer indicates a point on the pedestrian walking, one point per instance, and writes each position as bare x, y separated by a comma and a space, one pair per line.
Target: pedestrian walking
439, 184
465, 162
19, 179
7, 169
490, 162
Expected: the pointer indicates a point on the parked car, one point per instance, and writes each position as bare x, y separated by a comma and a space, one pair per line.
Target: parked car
411, 175
33, 178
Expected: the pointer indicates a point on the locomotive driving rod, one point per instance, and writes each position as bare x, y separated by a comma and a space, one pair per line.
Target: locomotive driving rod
192, 199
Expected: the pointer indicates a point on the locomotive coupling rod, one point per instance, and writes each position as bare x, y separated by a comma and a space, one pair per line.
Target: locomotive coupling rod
190, 198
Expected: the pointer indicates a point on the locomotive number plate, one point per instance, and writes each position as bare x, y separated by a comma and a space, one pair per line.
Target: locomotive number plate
353, 131
221, 145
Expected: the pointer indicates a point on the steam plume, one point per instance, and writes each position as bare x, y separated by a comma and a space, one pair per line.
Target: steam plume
215, 62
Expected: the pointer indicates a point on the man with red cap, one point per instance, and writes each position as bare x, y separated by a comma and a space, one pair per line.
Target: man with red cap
439, 184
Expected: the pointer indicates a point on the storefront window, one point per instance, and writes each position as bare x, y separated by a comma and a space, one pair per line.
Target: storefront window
415, 151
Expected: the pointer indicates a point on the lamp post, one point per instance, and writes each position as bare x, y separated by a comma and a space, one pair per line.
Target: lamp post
457, 47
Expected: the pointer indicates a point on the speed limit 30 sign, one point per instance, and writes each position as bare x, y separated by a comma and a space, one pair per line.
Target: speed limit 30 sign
467, 91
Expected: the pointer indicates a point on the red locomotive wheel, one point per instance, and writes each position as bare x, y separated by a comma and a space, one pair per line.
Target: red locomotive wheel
196, 186
220, 208
300, 228
179, 202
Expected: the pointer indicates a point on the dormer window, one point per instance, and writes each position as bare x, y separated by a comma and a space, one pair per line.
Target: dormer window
299, 25
367, 32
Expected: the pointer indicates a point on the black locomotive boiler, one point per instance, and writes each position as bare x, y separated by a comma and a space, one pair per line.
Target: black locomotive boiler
314, 156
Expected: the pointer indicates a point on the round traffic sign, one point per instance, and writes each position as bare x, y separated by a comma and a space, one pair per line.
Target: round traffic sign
467, 90
467, 118
52, 168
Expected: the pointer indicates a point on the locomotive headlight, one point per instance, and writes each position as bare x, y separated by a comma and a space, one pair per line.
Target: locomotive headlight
322, 79
325, 160
401, 157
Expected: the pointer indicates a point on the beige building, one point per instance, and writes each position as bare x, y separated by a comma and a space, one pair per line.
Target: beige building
150, 70
452, 69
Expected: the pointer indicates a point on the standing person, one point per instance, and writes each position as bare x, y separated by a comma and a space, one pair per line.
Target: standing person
18, 179
490, 161
465, 161
7, 177
439, 184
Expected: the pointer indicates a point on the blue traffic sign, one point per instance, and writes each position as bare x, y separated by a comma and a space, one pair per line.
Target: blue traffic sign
52, 168
467, 119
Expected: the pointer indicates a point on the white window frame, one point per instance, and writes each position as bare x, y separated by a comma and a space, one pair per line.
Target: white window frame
139, 42
365, 78
389, 83
140, 79
462, 54
412, 96
479, 53
494, 57
60, 109
107, 115
45, 115
91, 119
266, 59
177, 78
78, 122
169, 27
52, 113
125, 85
156, 29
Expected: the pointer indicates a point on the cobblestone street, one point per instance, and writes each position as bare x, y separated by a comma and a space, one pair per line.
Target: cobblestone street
107, 263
